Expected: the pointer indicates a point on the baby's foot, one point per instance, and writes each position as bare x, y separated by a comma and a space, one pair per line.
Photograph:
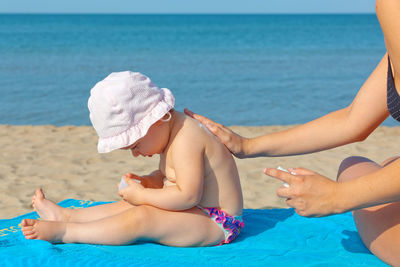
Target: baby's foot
47, 209
44, 230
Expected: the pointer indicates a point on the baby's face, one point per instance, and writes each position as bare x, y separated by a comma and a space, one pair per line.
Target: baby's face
154, 142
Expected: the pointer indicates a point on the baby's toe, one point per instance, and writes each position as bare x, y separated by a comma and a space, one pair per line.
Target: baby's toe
28, 230
28, 222
39, 194
31, 236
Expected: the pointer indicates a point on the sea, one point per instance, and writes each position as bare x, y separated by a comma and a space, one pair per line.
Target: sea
236, 69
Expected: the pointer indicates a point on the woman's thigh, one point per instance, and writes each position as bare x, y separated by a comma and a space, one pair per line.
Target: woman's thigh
378, 226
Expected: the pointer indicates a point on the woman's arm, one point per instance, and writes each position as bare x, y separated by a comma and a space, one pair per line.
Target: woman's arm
351, 124
388, 13
312, 194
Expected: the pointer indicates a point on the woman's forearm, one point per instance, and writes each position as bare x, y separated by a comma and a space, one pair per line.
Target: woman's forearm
327, 132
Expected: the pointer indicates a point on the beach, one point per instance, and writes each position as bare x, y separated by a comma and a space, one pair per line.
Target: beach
65, 163
236, 69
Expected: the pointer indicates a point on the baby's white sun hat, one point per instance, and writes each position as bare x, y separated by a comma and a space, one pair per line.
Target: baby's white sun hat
123, 106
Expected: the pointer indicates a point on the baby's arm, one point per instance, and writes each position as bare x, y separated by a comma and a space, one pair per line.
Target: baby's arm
188, 163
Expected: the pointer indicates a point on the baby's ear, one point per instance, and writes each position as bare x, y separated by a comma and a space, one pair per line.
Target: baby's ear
167, 117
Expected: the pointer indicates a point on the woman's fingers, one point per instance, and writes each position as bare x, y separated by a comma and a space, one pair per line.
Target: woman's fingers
200, 118
283, 192
289, 202
309, 193
280, 175
188, 112
302, 171
220, 131
210, 124
231, 140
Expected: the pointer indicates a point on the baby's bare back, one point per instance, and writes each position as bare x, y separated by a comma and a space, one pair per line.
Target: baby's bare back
221, 184
221, 180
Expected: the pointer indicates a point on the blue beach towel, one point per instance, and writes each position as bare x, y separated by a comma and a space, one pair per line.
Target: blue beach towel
276, 237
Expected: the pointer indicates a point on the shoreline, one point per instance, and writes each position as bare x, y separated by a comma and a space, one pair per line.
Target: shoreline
65, 163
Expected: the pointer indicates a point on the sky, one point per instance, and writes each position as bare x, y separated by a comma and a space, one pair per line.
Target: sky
188, 6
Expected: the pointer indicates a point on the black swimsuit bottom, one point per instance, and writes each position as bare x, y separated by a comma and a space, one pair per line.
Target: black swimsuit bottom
393, 97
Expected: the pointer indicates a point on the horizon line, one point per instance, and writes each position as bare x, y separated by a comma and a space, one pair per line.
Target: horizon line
181, 13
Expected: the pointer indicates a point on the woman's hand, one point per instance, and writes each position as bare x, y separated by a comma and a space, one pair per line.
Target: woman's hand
309, 193
234, 142
133, 191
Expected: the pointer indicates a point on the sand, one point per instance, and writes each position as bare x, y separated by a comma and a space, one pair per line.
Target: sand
65, 163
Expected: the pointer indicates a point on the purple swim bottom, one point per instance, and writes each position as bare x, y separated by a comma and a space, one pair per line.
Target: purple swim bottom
231, 225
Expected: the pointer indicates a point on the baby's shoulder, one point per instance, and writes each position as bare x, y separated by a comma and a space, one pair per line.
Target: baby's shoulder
190, 133
191, 128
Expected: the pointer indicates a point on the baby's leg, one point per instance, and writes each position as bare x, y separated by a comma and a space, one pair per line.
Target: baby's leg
99, 212
183, 228
47, 209
50, 211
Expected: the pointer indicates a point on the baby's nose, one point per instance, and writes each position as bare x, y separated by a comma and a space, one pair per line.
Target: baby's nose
135, 153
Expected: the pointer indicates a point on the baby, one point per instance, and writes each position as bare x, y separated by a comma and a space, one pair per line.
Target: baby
193, 199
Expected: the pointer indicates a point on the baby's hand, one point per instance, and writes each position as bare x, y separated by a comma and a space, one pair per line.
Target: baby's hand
132, 176
131, 192
122, 184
